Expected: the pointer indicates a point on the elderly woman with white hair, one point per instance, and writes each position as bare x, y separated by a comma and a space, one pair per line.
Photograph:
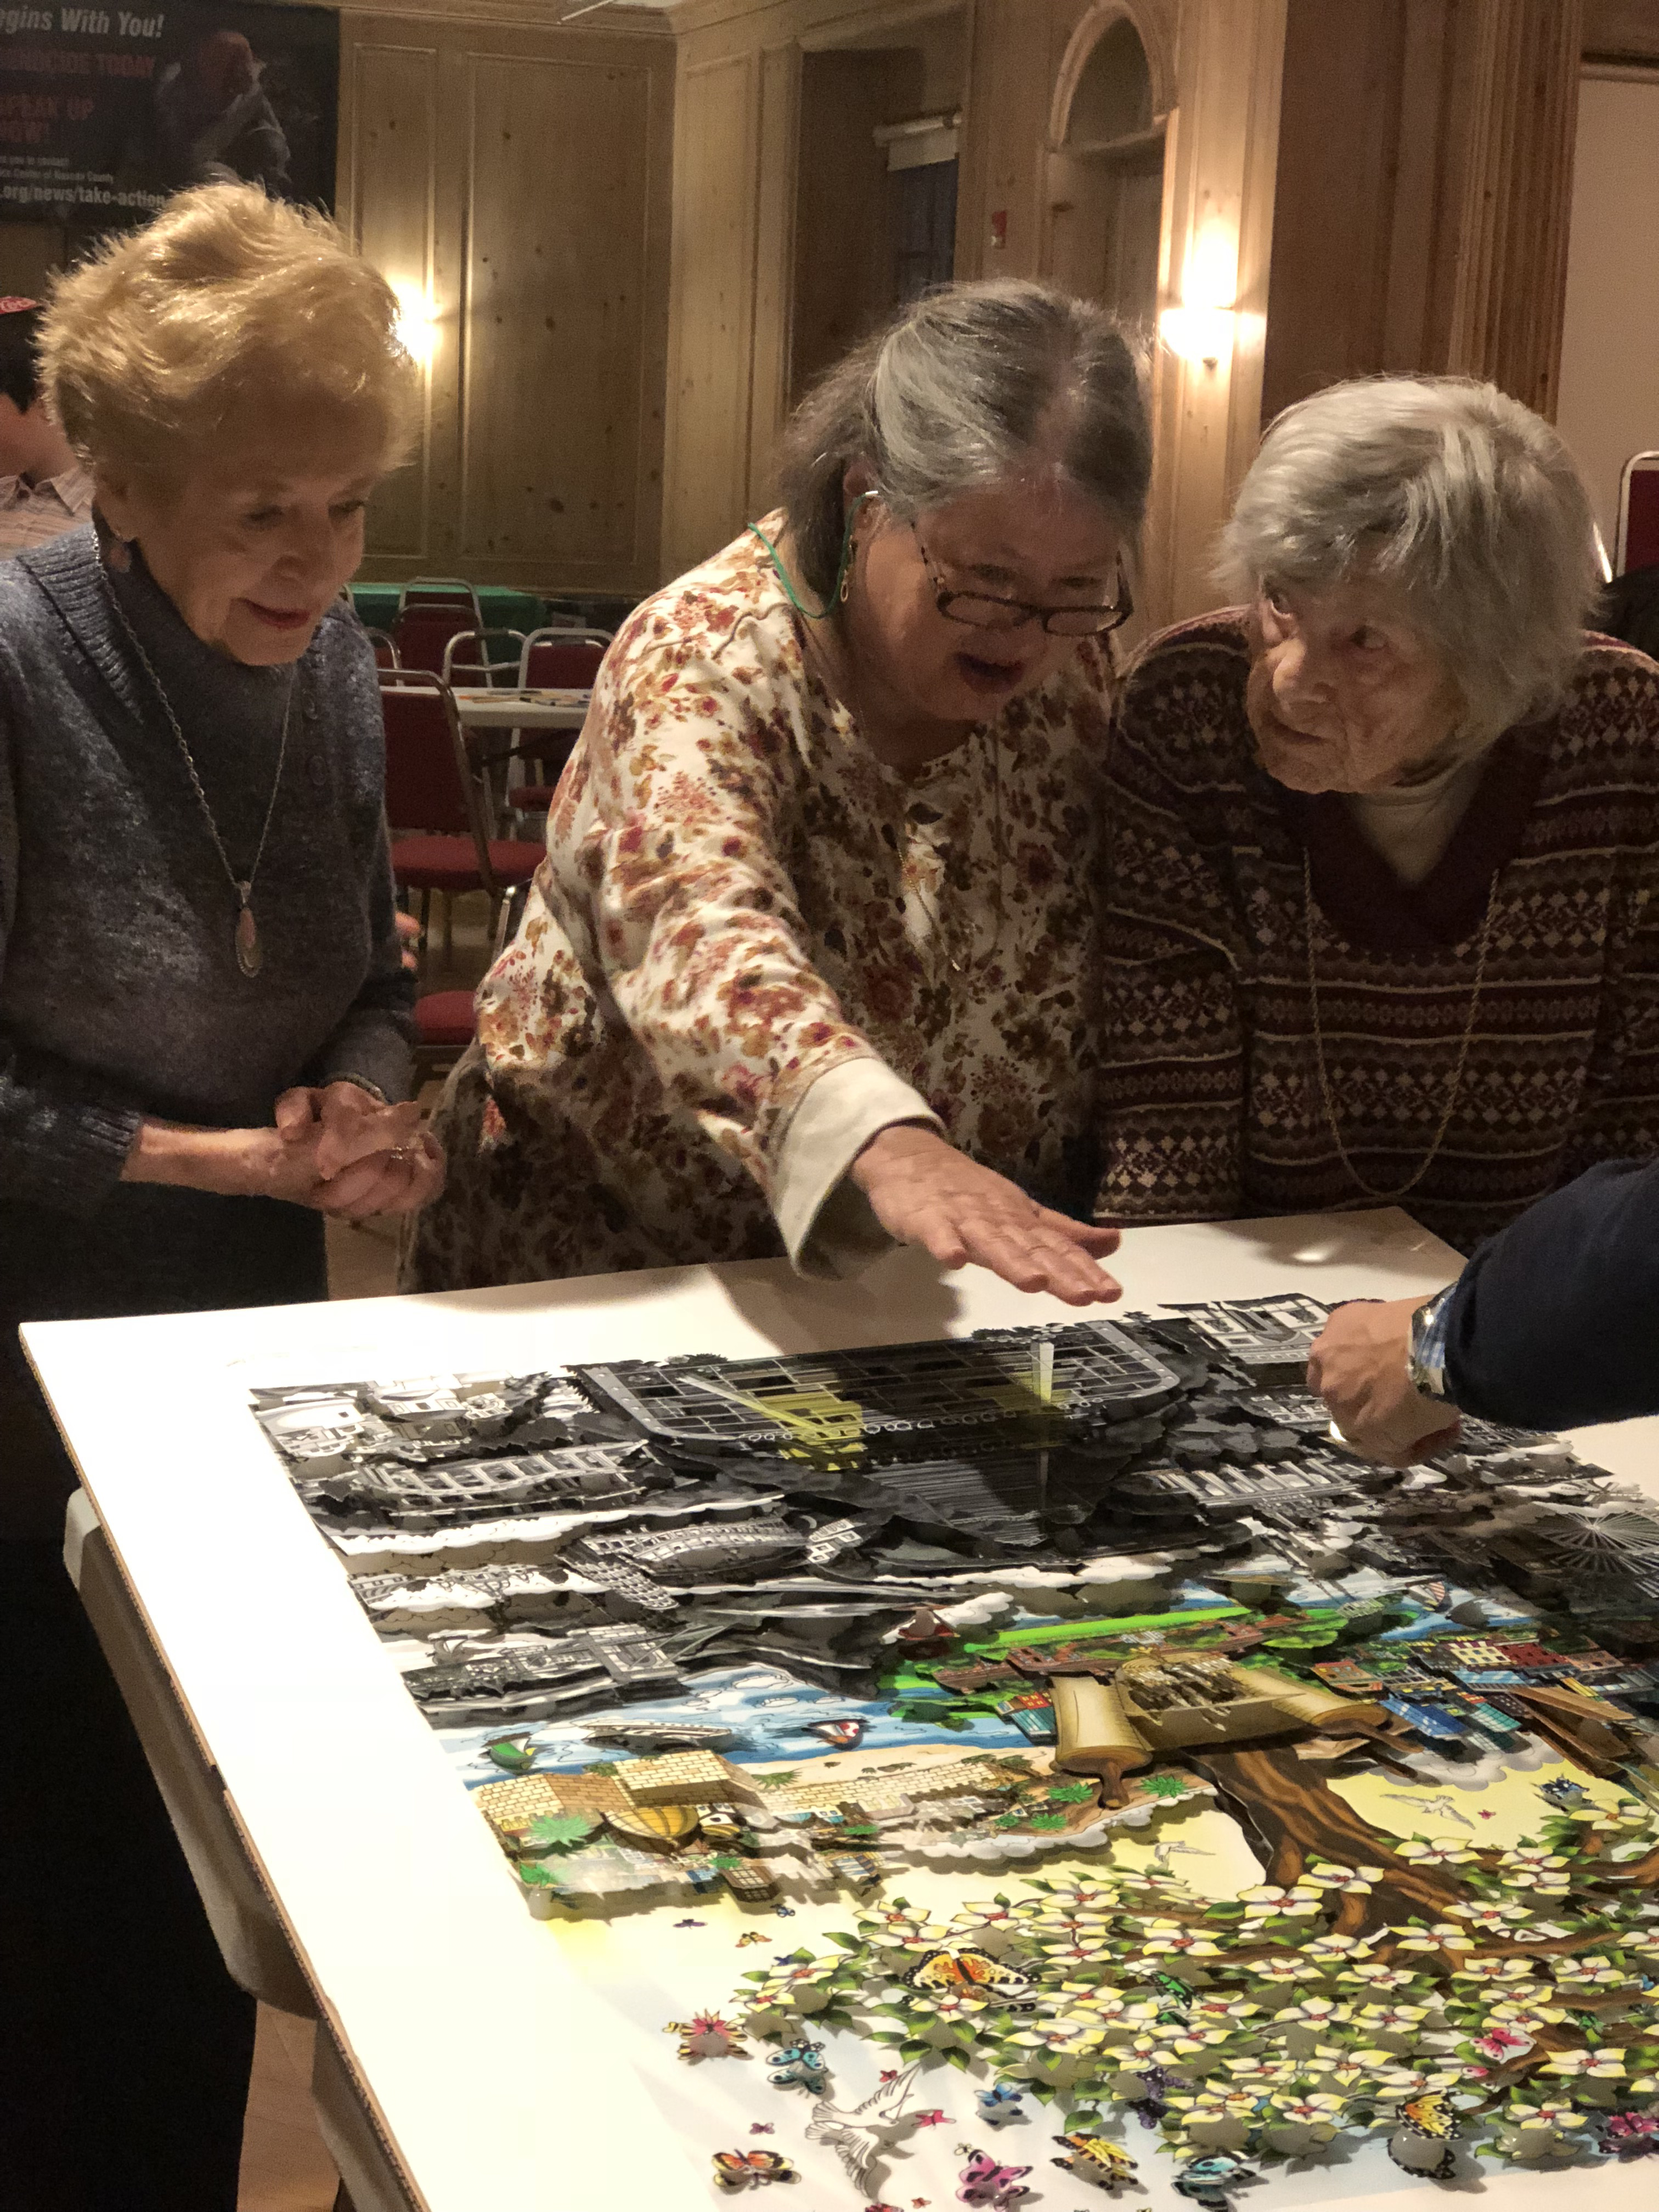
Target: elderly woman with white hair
811, 966
204, 1049
1384, 839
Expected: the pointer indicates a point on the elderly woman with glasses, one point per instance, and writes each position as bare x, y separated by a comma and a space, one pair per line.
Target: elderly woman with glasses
1384, 839
811, 966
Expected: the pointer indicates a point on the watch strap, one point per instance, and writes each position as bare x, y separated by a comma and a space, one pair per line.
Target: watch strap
1425, 1361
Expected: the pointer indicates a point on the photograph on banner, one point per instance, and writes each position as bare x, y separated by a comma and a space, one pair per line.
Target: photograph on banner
104, 113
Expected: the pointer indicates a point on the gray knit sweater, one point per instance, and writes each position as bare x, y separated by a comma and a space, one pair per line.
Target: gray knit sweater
120, 991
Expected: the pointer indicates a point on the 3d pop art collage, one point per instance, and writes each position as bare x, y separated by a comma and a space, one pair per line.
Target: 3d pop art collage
1041, 1764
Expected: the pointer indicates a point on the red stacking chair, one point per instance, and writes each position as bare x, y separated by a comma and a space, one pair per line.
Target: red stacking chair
561, 660
386, 652
437, 801
1638, 514
444, 1027
556, 660
423, 634
445, 1022
468, 657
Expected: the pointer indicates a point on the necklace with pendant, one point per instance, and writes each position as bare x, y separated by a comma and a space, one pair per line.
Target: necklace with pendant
250, 954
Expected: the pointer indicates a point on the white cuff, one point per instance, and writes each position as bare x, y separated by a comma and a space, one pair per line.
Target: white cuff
827, 1223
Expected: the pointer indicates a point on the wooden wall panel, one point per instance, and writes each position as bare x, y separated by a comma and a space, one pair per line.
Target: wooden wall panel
717, 186
775, 266
1621, 30
1334, 212
517, 180
1222, 169
551, 405
1425, 181
392, 134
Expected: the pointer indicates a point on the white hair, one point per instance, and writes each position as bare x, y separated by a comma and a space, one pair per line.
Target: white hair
1460, 499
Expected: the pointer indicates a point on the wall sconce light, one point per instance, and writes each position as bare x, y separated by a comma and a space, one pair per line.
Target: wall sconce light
417, 322
1204, 326
1203, 334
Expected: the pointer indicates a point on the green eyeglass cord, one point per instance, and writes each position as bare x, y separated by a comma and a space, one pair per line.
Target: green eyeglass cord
823, 613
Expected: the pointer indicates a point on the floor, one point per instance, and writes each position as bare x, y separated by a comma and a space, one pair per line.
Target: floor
285, 2167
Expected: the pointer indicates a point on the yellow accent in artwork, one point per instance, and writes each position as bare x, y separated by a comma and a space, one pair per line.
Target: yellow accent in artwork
826, 1428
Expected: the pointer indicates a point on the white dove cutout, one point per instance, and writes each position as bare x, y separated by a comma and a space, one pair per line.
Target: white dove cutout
858, 2135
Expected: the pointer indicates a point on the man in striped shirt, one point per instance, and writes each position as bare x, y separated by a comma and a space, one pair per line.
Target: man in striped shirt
44, 490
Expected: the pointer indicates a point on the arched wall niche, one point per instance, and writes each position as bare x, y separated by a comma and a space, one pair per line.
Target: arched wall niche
1087, 49
1104, 216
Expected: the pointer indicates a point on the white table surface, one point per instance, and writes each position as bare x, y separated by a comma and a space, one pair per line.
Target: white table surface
487, 2070
481, 707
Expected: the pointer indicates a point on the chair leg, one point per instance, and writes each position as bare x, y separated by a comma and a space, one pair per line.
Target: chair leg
426, 922
449, 923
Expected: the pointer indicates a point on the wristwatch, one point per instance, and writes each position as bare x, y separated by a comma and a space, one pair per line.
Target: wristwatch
1425, 1358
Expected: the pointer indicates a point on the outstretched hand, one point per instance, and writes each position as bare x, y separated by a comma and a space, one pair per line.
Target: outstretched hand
1359, 1366
923, 1191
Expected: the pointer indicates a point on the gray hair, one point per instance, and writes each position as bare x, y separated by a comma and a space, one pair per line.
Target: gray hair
1464, 501
962, 389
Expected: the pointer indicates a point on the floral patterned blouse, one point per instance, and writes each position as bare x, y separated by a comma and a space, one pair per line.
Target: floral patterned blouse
752, 945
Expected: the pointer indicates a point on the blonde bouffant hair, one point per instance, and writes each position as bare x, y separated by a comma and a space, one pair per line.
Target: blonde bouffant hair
228, 304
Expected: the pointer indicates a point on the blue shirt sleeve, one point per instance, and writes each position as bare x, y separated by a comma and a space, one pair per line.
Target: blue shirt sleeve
1555, 1323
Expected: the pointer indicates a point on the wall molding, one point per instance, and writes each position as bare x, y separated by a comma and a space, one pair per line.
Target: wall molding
631, 24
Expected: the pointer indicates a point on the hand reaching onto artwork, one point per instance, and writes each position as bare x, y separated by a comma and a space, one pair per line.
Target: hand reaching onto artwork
1358, 1366
925, 1192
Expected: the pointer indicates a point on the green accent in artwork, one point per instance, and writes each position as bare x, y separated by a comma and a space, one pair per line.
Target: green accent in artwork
550, 1830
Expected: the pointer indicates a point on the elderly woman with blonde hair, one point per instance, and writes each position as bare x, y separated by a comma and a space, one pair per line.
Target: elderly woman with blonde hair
1384, 839
203, 1042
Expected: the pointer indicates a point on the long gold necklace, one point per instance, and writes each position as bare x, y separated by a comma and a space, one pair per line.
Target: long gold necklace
250, 954
1388, 1197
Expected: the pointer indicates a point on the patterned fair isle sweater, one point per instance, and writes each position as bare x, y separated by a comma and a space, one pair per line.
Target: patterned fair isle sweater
1214, 1106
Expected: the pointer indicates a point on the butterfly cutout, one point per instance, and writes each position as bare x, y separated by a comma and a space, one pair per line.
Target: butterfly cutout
738, 2169
1097, 2158
998, 2106
1430, 2119
985, 2182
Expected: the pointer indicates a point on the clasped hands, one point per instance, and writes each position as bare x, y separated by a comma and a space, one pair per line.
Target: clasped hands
353, 1155
333, 1147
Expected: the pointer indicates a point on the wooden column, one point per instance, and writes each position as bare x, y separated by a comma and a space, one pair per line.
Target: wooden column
1521, 69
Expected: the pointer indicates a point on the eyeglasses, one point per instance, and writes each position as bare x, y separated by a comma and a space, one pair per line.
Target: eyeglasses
980, 610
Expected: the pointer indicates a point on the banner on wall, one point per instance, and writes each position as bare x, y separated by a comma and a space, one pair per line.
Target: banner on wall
105, 111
